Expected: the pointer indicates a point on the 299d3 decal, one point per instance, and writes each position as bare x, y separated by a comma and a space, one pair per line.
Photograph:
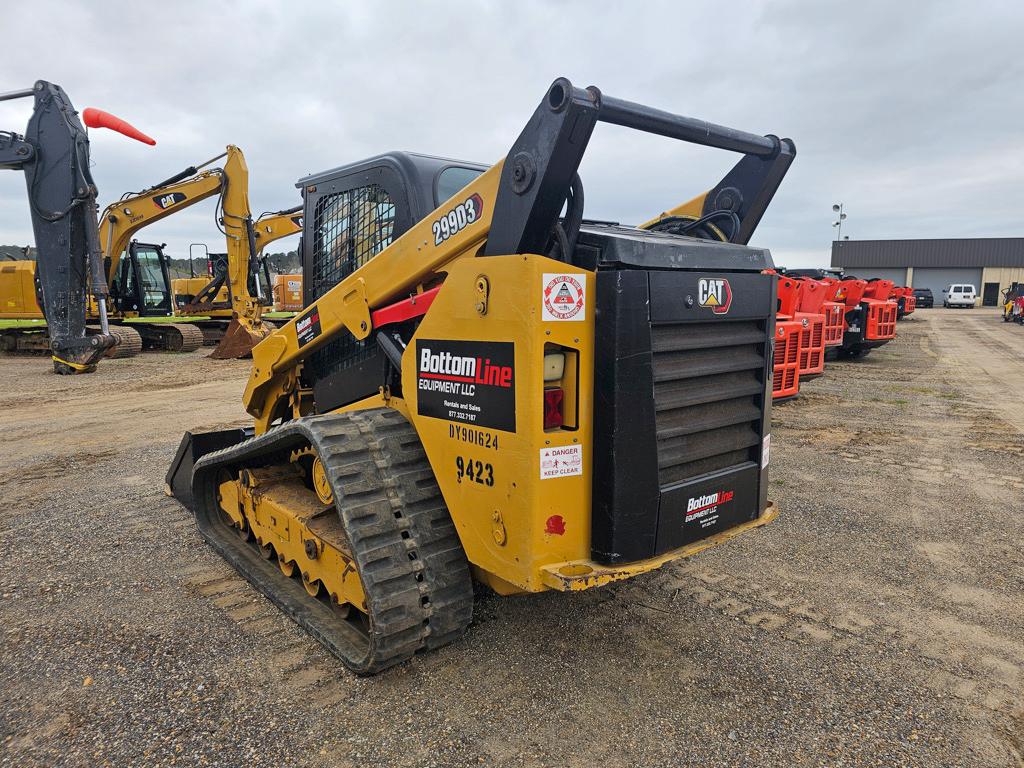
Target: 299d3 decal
457, 219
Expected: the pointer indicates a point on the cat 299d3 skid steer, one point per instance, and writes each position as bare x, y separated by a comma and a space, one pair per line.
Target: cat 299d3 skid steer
482, 387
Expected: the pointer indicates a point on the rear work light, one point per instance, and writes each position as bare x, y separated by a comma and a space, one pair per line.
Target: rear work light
554, 398
554, 366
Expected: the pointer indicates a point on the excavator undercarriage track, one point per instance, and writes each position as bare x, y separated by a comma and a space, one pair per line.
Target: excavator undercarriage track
34, 340
388, 522
170, 337
129, 341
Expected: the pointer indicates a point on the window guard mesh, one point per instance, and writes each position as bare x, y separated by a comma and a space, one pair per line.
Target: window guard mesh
349, 229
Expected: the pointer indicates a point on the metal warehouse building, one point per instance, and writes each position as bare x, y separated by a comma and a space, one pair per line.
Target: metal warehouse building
990, 264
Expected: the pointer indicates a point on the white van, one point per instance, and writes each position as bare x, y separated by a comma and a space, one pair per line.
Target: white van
959, 295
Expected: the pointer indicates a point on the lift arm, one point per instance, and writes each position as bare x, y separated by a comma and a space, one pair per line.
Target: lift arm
54, 155
512, 208
732, 209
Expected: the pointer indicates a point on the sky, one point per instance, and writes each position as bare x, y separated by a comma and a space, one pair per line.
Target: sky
910, 114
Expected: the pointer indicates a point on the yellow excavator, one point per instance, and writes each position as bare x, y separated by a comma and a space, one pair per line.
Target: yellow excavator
483, 387
138, 278
213, 289
238, 325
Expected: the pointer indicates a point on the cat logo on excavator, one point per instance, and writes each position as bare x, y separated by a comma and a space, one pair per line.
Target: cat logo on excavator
163, 202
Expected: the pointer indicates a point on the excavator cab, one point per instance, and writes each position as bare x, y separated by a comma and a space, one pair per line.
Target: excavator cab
142, 287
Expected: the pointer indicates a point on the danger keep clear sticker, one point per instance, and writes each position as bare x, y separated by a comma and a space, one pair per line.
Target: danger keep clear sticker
561, 462
564, 297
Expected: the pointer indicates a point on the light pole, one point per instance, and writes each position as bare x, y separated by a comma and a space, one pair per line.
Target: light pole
838, 208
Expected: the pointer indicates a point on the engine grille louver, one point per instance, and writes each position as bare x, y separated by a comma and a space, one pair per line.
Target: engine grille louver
707, 396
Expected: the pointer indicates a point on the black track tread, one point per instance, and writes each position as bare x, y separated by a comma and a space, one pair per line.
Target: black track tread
447, 584
129, 341
189, 337
170, 337
408, 556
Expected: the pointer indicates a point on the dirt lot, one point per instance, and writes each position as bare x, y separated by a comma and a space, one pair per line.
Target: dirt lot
879, 621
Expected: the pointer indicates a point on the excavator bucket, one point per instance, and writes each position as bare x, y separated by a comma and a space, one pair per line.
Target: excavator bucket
239, 339
97, 118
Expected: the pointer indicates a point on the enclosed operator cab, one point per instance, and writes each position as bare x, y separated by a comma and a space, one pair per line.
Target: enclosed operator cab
142, 287
353, 213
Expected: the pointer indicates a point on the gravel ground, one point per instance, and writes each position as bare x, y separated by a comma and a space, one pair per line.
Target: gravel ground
878, 621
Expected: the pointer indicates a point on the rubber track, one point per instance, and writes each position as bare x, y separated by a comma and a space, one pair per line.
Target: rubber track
408, 555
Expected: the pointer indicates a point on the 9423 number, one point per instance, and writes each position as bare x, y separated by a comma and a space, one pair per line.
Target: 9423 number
474, 471
457, 219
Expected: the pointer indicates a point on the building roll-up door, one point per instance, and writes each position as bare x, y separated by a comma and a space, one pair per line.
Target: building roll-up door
937, 279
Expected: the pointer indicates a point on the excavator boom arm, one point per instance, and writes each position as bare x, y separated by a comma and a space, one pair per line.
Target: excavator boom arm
120, 221
274, 226
54, 155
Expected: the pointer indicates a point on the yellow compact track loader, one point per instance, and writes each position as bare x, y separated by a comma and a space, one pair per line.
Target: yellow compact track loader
483, 387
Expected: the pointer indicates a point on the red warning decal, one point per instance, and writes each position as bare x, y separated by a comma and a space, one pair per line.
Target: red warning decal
565, 297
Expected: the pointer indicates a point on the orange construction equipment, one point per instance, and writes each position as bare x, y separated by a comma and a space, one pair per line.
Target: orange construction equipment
288, 293
801, 300
906, 302
786, 369
835, 320
811, 314
789, 340
869, 322
881, 311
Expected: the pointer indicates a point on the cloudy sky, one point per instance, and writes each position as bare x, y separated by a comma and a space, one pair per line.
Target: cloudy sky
912, 114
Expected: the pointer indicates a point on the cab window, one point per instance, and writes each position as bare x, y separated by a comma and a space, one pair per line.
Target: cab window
451, 180
151, 275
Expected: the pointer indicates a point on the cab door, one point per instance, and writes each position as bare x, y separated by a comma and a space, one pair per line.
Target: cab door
152, 281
